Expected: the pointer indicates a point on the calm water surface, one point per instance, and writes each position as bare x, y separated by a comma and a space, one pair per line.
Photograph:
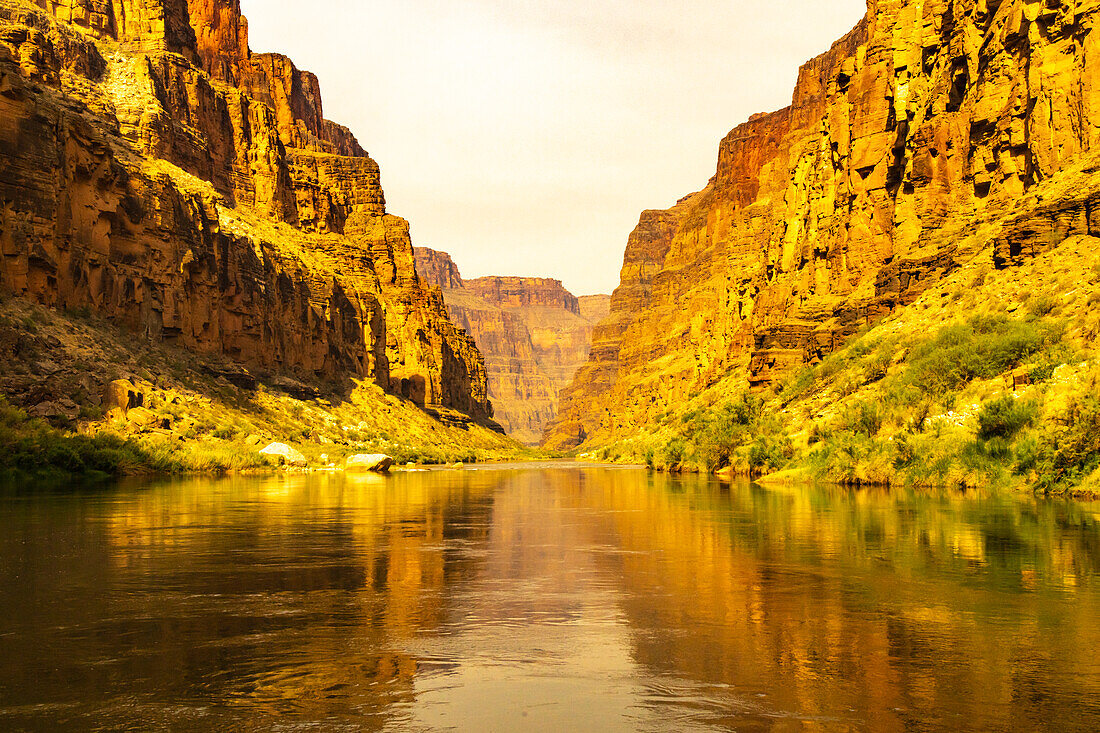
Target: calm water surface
544, 599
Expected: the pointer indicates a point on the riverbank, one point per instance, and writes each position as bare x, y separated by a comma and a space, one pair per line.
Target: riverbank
990, 379
185, 413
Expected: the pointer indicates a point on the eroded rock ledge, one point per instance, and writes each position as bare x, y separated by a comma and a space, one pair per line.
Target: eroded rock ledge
154, 169
933, 133
534, 334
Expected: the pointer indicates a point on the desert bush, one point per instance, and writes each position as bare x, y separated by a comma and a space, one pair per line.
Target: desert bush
905, 452
739, 433
817, 434
34, 446
855, 460
982, 348
769, 453
834, 364
226, 432
672, 456
797, 385
1003, 417
919, 417
877, 366
862, 418
1069, 450
983, 462
1042, 305
1048, 360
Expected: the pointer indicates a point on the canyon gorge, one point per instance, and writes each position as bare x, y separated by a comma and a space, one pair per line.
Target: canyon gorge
933, 163
533, 333
827, 458
935, 136
156, 171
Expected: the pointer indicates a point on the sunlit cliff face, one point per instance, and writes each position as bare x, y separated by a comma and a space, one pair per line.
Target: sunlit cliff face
524, 138
909, 150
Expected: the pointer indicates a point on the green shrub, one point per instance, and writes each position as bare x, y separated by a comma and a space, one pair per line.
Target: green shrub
83, 313
862, 418
1043, 305
674, 451
856, 460
834, 364
1048, 360
1005, 416
797, 385
817, 434
226, 432
769, 453
905, 453
984, 461
1026, 455
919, 417
877, 367
1069, 450
982, 348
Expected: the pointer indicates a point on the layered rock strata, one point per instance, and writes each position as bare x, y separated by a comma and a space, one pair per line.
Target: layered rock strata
533, 332
154, 169
905, 152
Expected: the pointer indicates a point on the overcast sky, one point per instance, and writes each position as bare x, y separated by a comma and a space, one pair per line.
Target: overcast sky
525, 136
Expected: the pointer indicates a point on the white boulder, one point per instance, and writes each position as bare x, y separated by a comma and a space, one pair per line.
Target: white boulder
377, 462
288, 455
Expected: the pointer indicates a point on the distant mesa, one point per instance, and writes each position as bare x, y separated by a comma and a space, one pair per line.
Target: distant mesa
533, 333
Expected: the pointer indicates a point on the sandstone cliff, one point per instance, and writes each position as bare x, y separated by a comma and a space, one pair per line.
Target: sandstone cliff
934, 133
155, 170
533, 332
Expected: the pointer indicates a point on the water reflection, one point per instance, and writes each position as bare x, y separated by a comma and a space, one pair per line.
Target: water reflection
547, 599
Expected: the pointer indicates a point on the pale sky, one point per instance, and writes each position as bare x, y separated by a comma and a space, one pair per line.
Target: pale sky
526, 136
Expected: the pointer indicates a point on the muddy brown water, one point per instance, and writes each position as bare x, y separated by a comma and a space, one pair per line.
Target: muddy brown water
544, 598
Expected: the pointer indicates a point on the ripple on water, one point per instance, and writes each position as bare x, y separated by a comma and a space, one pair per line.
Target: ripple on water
545, 598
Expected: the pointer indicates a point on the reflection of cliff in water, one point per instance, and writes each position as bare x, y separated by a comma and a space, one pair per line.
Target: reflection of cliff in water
499, 599
895, 604
285, 594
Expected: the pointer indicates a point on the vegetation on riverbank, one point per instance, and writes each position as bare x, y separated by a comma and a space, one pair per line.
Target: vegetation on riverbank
32, 446
992, 379
197, 414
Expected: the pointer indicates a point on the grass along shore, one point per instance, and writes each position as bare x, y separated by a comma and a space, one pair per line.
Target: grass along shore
193, 417
990, 379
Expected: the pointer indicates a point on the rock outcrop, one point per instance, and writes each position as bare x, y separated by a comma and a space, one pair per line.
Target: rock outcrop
925, 137
533, 332
154, 169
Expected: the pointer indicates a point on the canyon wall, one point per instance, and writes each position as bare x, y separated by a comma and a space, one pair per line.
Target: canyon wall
533, 332
156, 171
935, 132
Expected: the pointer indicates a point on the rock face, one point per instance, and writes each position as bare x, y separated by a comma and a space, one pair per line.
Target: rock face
121, 395
285, 454
924, 138
375, 462
534, 334
154, 169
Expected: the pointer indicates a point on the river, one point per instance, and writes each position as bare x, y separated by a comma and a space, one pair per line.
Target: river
544, 598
